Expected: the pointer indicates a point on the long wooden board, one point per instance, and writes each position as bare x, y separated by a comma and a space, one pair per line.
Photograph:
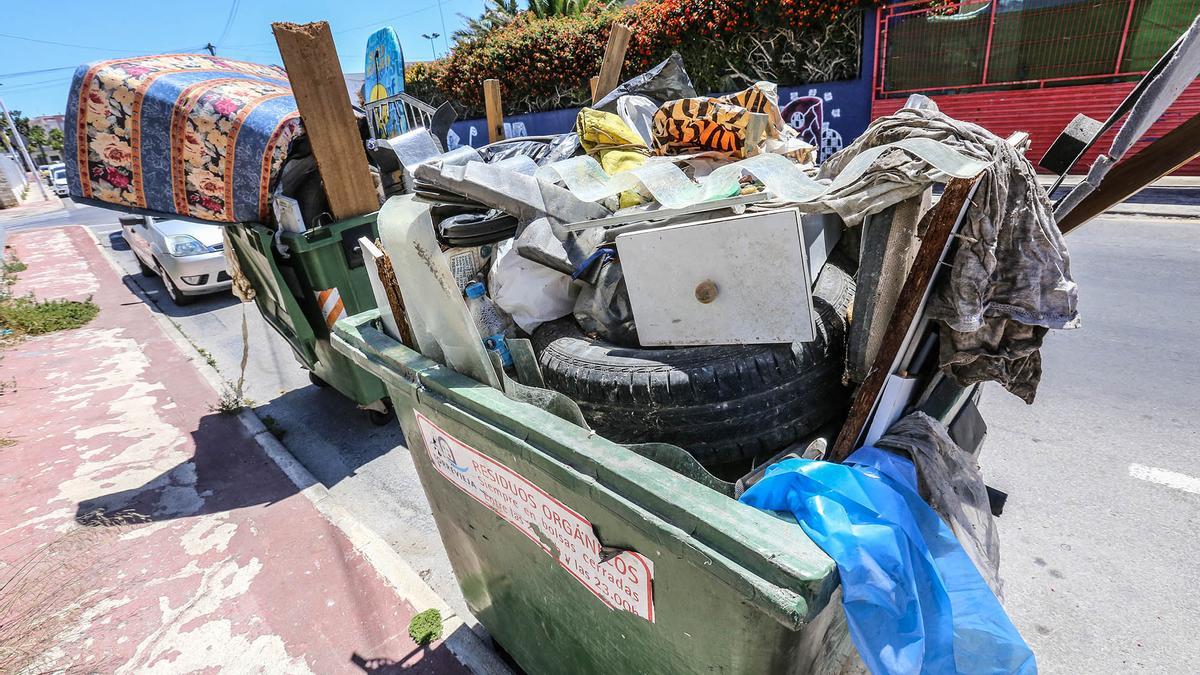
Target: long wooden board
311, 60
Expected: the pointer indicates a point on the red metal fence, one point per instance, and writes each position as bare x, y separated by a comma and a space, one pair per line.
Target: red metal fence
971, 45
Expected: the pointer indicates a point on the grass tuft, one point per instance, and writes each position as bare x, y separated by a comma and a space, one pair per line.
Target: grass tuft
425, 627
29, 316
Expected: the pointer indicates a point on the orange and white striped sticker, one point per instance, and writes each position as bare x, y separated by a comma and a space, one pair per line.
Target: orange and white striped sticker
331, 306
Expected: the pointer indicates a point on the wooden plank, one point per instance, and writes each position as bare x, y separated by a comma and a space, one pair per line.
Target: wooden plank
494, 110
938, 224
1127, 178
320, 91
614, 59
593, 81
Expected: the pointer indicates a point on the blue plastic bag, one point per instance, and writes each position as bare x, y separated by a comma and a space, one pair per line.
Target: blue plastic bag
914, 602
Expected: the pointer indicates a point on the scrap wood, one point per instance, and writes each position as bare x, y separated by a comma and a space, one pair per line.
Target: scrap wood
1174, 149
494, 110
937, 225
316, 77
614, 59
387, 278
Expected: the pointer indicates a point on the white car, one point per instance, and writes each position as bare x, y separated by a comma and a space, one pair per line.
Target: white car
188, 256
58, 181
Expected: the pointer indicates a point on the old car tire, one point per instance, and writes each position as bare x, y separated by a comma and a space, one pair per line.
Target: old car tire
721, 403
173, 291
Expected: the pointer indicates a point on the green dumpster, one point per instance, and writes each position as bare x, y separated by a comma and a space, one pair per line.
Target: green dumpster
301, 295
580, 556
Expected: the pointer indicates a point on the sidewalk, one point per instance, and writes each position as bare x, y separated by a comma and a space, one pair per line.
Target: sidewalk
210, 557
33, 205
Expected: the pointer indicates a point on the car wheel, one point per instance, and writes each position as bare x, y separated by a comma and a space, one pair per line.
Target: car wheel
147, 271
173, 291
316, 380
721, 403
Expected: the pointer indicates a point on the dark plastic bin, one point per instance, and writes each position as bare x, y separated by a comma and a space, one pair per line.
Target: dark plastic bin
286, 292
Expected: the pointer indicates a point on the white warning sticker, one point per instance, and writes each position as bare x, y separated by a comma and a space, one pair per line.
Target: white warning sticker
621, 579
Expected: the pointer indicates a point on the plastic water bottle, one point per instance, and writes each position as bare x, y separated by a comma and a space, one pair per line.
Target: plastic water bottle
492, 322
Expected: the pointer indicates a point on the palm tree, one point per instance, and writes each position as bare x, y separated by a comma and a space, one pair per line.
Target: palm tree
543, 9
496, 13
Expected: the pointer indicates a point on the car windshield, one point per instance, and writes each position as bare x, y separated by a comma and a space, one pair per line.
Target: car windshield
60, 174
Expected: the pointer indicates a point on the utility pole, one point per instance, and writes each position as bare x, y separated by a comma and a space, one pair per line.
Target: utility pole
212, 49
21, 146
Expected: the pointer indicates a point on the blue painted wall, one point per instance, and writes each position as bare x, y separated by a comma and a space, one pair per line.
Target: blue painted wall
828, 114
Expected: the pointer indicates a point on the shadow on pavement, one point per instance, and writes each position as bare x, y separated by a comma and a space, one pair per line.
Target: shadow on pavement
152, 287
228, 470
116, 240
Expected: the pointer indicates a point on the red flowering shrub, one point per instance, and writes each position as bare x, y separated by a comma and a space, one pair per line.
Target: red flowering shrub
544, 64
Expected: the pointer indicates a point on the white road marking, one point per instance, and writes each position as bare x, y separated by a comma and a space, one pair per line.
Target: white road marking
1170, 479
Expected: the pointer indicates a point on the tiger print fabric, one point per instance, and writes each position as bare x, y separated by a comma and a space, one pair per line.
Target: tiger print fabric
732, 125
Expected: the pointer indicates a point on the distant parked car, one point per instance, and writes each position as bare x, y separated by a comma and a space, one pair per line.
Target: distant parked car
58, 181
188, 256
46, 170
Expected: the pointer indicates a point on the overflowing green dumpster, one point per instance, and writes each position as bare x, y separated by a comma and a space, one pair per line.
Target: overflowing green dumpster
580, 556
321, 278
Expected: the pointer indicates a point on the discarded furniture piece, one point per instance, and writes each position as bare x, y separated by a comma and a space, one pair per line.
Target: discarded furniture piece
712, 282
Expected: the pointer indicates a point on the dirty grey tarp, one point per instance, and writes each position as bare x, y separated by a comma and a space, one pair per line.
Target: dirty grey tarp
1011, 278
949, 480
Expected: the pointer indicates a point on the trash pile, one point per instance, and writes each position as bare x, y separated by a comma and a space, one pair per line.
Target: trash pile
680, 276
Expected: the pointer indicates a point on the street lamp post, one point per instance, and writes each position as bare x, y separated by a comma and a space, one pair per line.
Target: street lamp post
431, 37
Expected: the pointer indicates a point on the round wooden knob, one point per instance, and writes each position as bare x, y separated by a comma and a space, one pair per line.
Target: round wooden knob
706, 291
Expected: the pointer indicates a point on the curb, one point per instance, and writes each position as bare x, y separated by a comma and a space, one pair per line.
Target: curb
467, 647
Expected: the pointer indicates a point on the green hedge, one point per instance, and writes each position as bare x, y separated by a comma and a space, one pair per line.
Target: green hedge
545, 64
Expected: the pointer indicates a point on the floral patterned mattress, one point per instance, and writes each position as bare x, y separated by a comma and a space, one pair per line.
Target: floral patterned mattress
198, 136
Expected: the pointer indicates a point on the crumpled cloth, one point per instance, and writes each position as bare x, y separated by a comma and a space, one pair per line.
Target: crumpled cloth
949, 480
1011, 277
614, 144
914, 602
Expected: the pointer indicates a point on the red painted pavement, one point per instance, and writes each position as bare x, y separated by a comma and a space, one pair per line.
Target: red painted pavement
232, 570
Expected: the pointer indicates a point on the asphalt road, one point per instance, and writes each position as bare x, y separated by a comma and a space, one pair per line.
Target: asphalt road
1098, 537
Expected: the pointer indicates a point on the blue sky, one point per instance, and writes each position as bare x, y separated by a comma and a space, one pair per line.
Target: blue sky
118, 29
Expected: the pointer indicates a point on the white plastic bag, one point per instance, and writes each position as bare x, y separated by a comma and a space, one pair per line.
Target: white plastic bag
531, 293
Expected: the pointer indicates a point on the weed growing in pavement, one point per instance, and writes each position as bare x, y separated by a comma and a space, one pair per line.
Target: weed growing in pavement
231, 400
30, 316
206, 355
425, 627
47, 592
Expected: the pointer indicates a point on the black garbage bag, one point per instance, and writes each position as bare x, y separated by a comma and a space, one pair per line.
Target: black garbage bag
602, 308
667, 81
541, 149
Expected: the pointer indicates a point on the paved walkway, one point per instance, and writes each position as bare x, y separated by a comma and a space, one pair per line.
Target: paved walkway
220, 563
